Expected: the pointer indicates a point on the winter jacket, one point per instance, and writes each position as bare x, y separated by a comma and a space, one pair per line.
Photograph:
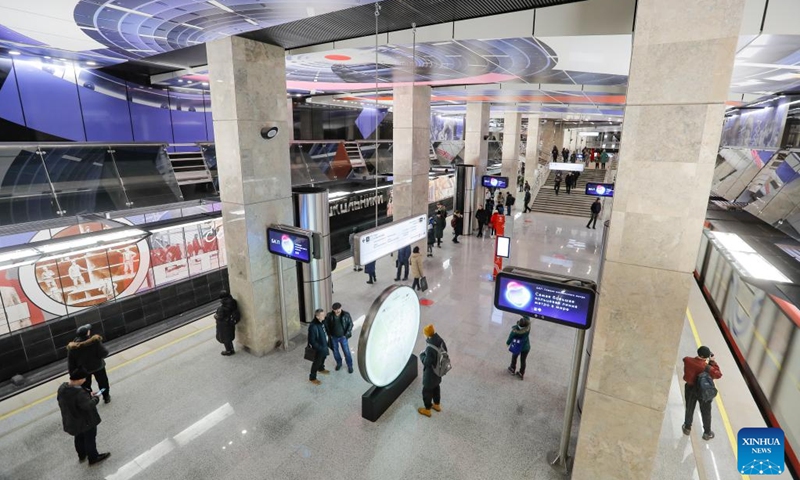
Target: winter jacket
344, 324
227, 316
416, 266
482, 216
404, 254
523, 333
510, 200
78, 409
693, 366
596, 207
458, 223
439, 228
527, 196
369, 268
603, 157
429, 358
317, 337
88, 354
431, 236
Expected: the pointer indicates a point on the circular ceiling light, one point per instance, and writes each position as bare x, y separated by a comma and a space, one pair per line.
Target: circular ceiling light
338, 58
269, 133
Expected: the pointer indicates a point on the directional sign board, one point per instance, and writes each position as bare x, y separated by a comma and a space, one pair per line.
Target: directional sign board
380, 242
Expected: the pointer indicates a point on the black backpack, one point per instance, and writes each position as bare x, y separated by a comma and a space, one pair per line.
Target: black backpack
706, 390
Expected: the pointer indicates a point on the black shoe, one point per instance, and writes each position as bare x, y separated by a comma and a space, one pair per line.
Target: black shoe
686, 430
349, 369
99, 458
81, 459
338, 367
594, 228
521, 375
369, 282
708, 436
396, 279
405, 279
512, 370
107, 398
227, 353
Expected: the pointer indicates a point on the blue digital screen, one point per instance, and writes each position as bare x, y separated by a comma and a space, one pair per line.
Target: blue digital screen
600, 189
490, 181
289, 245
555, 302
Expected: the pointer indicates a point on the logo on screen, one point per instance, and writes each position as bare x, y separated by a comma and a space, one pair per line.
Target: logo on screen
493, 182
518, 294
760, 451
601, 190
287, 244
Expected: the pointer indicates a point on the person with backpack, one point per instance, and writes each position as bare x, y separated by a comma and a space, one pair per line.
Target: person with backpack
699, 374
318, 340
79, 416
519, 345
435, 364
227, 316
458, 224
88, 352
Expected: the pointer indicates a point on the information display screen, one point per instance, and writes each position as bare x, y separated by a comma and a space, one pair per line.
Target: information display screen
289, 244
600, 189
380, 242
555, 302
490, 181
503, 247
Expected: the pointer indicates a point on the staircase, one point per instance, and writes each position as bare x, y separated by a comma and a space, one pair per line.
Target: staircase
354, 154
576, 203
190, 168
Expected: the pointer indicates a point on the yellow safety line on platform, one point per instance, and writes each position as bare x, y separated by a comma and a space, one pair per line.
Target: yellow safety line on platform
723, 413
162, 347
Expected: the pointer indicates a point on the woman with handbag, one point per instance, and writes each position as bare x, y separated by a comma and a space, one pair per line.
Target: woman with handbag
416, 269
519, 345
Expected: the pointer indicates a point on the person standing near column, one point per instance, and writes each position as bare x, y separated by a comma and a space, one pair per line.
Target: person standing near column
356, 267
439, 229
79, 416
339, 325
403, 256
431, 382
482, 216
87, 351
596, 208
318, 340
692, 368
227, 316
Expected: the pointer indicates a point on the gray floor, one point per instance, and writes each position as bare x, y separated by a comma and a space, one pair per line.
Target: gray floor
185, 412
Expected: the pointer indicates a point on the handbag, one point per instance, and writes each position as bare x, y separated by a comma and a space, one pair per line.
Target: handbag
423, 284
310, 354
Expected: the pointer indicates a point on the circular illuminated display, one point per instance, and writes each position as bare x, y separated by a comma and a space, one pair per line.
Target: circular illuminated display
493, 182
287, 244
389, 334
600, 190
518, 295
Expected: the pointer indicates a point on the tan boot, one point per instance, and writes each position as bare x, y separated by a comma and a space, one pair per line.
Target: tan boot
424, 411
315, 382
437, 407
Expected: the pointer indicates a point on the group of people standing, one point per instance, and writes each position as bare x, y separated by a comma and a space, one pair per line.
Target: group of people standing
570, 181
589, 155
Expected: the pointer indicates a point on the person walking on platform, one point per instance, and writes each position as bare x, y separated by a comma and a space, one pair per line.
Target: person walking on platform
527, 201
339, 325
79, 416
557, 182
692, 368
554, 153
519, 345
402, 262
431, 382
227, 316
595, 208
439, 229
482, 216
318, 340
87, 351
417, 272
356, 268
458, 224
431, 236
369, 269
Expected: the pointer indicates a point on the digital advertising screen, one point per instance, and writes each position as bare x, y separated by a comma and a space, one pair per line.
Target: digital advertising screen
491, 181
288, 244
600, 189
555, 302
503, 247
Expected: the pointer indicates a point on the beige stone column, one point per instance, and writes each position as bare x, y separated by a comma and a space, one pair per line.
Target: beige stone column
476, 147
412, 139
532, 149
512, 127
678, 83
552, 133
248, 91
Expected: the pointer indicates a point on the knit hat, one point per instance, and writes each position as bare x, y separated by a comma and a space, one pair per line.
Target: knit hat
428, 330
524, 322
704, 352
223, 294
79, 373
83, 331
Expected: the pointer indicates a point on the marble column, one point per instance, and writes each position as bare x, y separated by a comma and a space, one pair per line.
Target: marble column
248, 91
679, 80
512, 128
532, 149
552, 133
411, 150
476, 147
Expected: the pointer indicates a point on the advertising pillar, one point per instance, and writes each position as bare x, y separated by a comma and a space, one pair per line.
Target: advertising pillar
314, 282
465, 195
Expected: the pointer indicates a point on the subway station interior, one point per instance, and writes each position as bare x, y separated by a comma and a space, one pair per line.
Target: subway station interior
155, 154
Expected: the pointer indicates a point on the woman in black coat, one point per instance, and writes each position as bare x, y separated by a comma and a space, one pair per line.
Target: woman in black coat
227, 316
439, 229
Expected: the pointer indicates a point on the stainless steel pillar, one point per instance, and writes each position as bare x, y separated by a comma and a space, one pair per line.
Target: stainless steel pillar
465, 195
311, 212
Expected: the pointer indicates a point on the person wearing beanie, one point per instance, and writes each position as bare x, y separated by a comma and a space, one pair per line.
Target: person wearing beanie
227, 316
79, 415
692, 368
519, 346
88, 352
431, 391
339, 325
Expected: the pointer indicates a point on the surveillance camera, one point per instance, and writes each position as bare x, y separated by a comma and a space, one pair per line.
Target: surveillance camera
269, 133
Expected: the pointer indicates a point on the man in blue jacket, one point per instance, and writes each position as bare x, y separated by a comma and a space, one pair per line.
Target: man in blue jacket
403, 255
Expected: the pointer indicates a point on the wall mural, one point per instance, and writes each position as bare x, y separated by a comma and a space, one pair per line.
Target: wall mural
758, 128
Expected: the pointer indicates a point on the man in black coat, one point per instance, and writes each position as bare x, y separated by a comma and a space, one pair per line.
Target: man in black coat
227, 316
79, 415
458, 225
318, 339
88, 351
403, 255
482, 216
568, 182
339, 325
431, 393
596, 208
527, 201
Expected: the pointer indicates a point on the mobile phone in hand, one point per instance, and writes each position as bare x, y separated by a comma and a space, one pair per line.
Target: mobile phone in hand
99, 392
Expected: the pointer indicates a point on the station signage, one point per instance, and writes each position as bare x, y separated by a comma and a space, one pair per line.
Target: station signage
544, 299
566, 167
379, 242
